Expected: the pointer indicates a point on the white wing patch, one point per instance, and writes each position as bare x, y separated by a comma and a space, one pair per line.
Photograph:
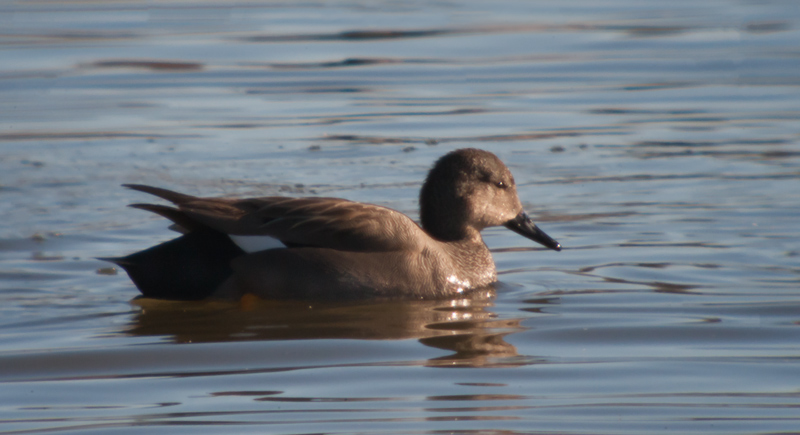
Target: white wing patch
256, 243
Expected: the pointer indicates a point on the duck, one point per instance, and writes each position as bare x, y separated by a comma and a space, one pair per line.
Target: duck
334, 249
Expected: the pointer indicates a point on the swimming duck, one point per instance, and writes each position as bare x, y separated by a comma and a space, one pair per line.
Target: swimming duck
335, 249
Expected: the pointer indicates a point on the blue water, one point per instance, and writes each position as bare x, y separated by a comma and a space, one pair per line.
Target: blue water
658, 142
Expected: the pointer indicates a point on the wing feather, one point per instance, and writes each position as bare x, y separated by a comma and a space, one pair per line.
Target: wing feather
321, 222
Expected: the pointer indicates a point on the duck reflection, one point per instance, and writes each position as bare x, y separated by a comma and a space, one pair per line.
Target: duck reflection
465, 326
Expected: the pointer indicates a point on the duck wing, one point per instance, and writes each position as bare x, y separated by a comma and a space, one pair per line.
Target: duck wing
320, 222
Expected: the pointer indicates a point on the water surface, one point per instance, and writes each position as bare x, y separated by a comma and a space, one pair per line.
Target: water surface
658, 143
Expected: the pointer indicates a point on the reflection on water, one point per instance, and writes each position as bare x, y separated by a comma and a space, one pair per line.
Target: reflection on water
257, 319
659, 142
465, 327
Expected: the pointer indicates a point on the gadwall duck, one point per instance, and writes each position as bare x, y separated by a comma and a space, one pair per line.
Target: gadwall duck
335, 249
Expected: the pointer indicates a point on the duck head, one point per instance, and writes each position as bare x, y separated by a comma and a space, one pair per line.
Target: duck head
468, 190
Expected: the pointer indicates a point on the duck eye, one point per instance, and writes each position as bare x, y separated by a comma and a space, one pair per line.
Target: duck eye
501, 184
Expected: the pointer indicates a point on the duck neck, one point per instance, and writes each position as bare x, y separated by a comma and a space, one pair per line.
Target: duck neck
442, 216
475, 266
443, 209
446, 234
449, 227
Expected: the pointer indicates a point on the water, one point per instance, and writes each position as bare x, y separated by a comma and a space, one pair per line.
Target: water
657, 142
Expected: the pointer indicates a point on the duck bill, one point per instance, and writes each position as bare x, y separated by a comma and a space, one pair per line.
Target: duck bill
523, 225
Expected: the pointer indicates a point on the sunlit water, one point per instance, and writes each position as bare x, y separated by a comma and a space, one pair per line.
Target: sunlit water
657, 141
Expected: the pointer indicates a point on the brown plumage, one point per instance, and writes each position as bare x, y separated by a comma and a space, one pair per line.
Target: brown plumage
335, 248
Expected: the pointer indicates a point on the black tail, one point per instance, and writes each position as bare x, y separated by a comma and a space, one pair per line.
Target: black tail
190, 267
